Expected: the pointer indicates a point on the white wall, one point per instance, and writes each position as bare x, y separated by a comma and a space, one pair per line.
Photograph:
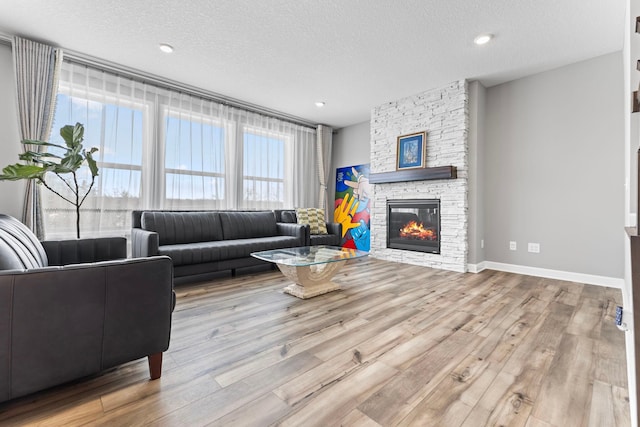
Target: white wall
554, 169
11, 193
351, 146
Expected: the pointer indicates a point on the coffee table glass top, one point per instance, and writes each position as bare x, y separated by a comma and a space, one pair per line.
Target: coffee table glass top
309, 255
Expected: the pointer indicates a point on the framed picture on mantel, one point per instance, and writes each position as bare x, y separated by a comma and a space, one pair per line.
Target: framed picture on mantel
412, 151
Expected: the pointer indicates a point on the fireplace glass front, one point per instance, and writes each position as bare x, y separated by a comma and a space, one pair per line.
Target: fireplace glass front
414, 225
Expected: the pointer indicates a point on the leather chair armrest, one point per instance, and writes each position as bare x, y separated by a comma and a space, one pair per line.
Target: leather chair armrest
144, 243
334, 228
296, 230
139, 303
63, 252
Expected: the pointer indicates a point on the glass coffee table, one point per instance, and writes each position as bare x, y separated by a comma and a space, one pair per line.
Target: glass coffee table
311, 268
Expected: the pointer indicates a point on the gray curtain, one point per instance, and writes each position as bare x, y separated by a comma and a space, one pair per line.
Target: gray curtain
36, 68
325, 140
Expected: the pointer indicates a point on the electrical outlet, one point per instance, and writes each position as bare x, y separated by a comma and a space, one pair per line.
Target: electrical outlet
482, 244
618, 316
534, 248
513, 246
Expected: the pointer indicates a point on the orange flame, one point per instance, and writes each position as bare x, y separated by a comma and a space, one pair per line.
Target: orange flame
414, 230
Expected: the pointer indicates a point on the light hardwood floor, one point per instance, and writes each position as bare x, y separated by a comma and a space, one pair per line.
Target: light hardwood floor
399, 345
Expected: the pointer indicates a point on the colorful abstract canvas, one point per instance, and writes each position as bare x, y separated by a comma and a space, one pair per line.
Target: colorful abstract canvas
351, 207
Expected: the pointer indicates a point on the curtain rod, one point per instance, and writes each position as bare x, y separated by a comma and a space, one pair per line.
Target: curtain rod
141, 76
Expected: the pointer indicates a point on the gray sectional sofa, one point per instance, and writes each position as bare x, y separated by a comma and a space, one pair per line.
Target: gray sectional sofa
203, 242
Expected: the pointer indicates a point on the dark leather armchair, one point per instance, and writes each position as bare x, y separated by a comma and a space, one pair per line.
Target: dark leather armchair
73, 308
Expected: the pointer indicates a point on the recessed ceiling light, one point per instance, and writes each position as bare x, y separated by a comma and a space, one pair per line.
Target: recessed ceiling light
483, 39
166, 48
320, 104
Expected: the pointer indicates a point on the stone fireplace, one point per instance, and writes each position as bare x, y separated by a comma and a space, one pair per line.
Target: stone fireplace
443, 113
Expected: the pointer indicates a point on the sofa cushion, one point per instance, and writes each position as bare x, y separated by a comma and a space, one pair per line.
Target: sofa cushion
204, 252
19, 248
289, 217
183, 227
324, 239
314, 218
192, 253
246, 225
242, 248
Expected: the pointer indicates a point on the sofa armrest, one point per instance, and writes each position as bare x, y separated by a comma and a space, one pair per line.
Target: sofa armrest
63, 252
334, 228
144, 243
295, 230
139, 303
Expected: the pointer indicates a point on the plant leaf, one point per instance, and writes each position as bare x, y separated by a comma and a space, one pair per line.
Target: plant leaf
70, 163
73, 135
42, 143
20, 171
31, 155
93, 166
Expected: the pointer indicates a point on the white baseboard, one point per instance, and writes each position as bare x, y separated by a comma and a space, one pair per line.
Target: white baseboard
476, 268
589, 279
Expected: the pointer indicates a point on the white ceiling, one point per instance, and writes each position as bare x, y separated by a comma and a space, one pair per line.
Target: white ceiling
353, 54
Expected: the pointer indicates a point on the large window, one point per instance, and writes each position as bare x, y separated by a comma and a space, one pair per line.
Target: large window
116, 130
263, 166
164, 149
194, 161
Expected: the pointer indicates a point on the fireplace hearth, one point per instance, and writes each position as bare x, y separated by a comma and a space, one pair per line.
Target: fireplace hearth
414, 225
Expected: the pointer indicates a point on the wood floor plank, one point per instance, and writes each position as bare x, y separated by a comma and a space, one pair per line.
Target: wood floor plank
409, 352
621, 406
148, 408
340, 365
397, 345
495, 401
602, 410
265, 410
405, 391
587, 318
356, 418
498, 346
75, 415
434, 409
218, 404
610, 363
534, 422
570, 375
338, 401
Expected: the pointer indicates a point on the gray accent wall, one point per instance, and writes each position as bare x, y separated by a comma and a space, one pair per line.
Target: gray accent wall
554, 169
11, 193
351, 146
477, 108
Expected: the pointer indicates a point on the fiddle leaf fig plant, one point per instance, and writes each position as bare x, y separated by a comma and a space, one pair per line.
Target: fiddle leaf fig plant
39, 165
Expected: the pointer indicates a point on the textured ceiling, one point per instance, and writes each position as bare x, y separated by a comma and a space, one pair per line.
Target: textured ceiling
355, 55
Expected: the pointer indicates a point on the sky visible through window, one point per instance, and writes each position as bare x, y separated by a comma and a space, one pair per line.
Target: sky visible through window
194, 153
116, 131
196, 147
263, 167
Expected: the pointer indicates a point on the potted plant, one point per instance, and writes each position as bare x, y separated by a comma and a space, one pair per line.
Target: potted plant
39, 164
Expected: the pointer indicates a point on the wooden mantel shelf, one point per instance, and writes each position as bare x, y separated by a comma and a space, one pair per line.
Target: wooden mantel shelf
422, 174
